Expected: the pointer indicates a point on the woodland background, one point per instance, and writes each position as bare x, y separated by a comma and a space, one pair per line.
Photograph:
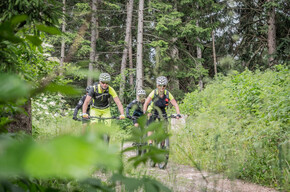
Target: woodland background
226, 61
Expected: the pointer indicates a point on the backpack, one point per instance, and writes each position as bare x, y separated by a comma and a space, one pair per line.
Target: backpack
162, 103
104, 101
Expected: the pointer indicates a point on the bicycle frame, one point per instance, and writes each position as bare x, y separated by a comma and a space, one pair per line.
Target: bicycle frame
163, 144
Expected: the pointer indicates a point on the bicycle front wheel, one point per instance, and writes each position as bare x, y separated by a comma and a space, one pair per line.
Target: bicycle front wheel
106, 138
165, 146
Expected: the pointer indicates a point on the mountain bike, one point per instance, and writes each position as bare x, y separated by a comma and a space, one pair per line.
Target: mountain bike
106, 137
162, 145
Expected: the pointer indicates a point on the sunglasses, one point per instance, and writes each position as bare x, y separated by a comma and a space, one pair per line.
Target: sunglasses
162, 85
104, 82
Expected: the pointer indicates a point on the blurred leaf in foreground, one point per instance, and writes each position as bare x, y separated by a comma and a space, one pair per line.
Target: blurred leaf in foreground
12, 88
65, 156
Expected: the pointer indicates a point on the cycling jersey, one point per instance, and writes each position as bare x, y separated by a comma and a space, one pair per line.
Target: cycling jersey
160, 102
79, 106
101, 98
137, 106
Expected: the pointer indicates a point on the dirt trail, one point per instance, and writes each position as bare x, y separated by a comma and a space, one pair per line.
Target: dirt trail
183, 178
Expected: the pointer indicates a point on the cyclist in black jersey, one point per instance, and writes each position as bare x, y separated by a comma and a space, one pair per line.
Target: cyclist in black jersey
101, 93
137, 106
80, 104
159, 99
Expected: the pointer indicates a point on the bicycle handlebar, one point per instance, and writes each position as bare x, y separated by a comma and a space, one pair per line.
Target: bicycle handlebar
165, 116
133, 117
95, 117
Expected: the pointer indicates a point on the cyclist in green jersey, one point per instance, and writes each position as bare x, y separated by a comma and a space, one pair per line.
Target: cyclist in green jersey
159, 98
101, 92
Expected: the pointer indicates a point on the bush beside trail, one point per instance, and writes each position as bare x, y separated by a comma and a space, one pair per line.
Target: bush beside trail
239, 125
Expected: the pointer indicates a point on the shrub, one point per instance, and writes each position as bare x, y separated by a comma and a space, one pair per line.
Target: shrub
239, 125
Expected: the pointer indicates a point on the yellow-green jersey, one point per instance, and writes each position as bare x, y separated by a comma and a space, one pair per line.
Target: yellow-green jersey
101, 98
160, 102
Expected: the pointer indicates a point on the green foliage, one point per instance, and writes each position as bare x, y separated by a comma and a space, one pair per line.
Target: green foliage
49, 30
137, 136
38, 11
227, 62
83, 7
7, 28
64, 157
48, 106
54, 158
240, 125
145, 183
53, 162
163, 48
12, 97
12, 88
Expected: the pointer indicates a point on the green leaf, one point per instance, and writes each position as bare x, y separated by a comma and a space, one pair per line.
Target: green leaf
18, 19
12, 88
47, 29
66, 156
131, 184
6, 33
65, 89
34, 40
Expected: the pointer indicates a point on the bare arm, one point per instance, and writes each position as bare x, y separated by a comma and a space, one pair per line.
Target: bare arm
119, 104
148, 100
86, 103
174, 103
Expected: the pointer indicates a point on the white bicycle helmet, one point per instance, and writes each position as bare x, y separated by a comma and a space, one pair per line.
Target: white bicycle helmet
161, 80
141, 92
105, 77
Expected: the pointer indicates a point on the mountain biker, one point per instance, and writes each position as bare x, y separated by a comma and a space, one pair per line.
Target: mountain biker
80, 104
160, 98
137, 105
101, 93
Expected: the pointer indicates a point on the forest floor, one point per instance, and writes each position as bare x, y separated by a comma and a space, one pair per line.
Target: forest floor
183, 178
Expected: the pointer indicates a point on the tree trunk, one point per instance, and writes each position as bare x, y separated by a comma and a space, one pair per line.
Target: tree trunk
139, 65
125, 51
97, 37
93, 42
199, 64
214, 53
271, 34
63, 40
131, 62
22, 121
175, 56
